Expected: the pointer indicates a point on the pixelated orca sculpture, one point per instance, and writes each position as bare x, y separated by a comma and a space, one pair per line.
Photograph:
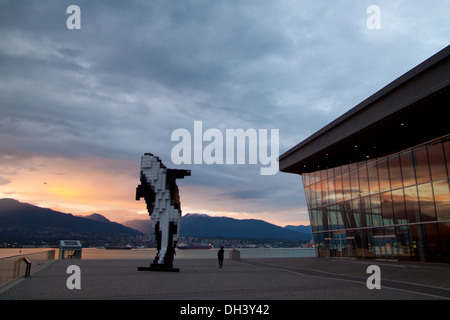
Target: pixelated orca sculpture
159, 189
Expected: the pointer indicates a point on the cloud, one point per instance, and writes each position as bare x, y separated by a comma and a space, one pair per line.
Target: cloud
137, 70
4, 181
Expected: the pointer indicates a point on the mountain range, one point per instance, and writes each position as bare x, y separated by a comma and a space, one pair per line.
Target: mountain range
26, 223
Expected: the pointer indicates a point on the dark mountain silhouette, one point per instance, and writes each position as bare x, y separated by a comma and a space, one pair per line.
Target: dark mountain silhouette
204, 226
25, 223
22, 222
200, 225
301, 228
97, 217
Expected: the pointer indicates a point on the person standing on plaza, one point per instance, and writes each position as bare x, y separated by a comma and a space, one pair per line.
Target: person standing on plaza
220, 254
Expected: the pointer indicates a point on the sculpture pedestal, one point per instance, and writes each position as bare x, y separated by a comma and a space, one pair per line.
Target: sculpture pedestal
159, 267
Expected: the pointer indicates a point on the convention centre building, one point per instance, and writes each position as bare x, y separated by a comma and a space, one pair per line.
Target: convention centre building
376, 179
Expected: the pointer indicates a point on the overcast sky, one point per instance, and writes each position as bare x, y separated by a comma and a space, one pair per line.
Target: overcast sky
78, 108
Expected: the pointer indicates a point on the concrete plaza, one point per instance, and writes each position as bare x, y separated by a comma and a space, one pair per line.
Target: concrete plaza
247, 279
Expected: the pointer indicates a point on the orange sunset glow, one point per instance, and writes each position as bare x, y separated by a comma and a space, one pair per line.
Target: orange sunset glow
86, 185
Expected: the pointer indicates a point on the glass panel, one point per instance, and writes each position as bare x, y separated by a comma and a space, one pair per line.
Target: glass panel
305, 179
370, 247
323, 175
442, 199
318, 194
354, 184
421, 164
346, 186
386, 208
437, 161
395, 172
432, 243
342, 216
347, 208
324, 192
337, 171
398, 204
444, 232
324, 212
352, 166
308, 196
334, 218
447, 155
330, 173
412, 204
312, 197
312, 219
426, 202
407, 164
383, 175
417, 242
318, 219
376, 210
345, 169
363, 183
355, 216
319, 242
331, 195
366, 217
314, 177
403, 243
373, 178
338, 189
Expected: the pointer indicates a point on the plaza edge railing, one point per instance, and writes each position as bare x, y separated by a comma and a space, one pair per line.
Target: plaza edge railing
19, 266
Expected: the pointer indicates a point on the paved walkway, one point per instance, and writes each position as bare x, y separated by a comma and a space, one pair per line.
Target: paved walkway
249, 279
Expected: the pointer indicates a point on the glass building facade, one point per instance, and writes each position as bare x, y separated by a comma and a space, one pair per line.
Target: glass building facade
395, 207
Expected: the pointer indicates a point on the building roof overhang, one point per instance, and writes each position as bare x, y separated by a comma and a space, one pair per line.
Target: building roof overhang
409, 111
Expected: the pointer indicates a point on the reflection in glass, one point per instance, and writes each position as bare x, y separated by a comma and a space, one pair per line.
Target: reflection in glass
403, 243
426, 202
398, 205
408, 172
338, 189
383, 175
305, 179
346, 186
421, 165
412, 204
432, 243
442, 199
331, 194
444, 234
386, 207
376, 211
363, 183
355, 215
447, 155
395, 172
354, 184
324, 192
373, 178
437, 161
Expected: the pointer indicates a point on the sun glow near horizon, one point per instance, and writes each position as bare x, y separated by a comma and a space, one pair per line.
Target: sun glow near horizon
86, 185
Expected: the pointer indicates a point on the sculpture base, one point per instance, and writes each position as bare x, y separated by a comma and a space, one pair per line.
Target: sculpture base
159, 267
